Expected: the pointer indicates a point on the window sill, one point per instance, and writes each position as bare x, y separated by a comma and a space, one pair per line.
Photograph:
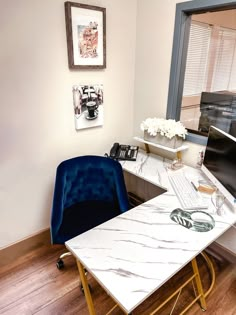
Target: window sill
198, 139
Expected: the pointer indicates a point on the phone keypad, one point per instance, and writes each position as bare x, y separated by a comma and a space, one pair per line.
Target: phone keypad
127, 152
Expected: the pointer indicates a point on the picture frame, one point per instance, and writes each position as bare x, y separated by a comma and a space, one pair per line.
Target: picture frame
88, 102
86, 36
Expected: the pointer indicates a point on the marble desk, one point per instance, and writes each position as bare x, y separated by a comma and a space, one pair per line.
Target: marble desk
134, 254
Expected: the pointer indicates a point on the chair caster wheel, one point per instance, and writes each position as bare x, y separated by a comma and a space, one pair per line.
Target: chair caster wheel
60, 264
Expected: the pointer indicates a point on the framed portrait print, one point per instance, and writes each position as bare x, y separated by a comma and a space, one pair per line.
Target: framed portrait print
86, 36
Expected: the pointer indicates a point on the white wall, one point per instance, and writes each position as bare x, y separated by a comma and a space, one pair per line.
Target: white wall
36, 121
155, 27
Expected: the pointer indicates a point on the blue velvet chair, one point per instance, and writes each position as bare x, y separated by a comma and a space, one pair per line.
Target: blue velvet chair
89, 190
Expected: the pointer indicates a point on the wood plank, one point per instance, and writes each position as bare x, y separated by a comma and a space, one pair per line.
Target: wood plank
10, 253
32, 284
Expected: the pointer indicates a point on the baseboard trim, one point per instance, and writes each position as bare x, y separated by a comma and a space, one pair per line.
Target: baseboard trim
221, 253
16, 250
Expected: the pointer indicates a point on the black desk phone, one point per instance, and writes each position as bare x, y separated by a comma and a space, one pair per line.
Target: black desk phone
124, 152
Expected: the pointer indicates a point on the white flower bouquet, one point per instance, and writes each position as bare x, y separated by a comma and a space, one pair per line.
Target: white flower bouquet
165, 132
165, 127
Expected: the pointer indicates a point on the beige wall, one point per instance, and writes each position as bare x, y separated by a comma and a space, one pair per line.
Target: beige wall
155, 28
36, 121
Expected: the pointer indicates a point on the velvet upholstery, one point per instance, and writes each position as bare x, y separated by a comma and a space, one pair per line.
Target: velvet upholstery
89, 190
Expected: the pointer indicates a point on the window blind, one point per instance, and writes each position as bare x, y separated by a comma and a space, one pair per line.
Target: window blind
197, 59
224, 71
232, 81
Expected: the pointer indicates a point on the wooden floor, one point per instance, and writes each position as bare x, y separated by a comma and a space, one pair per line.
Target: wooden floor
33, 285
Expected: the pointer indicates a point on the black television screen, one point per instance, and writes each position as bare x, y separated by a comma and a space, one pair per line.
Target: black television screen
220, 162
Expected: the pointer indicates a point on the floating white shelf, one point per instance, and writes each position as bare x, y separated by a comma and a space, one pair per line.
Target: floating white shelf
182, 148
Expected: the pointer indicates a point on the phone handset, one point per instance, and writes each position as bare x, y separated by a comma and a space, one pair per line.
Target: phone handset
114, 150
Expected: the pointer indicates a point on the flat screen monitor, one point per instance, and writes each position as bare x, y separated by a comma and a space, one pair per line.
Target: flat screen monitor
219, 162
218, 109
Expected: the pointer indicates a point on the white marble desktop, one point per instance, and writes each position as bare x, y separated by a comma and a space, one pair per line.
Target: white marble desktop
133, 254
150, 167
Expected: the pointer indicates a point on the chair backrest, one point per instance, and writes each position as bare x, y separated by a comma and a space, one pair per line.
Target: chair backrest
89, 190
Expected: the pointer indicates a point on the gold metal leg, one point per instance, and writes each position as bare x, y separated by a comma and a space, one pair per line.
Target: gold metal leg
212, 271
201, 296
86, 288
199, 284
179, 155
172, 295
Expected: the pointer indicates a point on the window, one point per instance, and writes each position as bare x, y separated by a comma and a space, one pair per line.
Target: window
183, 14
210, 67
211, 59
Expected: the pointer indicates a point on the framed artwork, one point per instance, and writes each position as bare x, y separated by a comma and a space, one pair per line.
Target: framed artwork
86, 36
88, 105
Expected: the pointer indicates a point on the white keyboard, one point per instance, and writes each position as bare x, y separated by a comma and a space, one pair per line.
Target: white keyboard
186, 193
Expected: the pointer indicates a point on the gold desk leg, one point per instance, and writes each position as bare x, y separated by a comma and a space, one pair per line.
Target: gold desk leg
212, 271
86, 288
199, 284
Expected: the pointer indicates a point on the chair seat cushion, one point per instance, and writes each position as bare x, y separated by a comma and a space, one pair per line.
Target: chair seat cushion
85, 215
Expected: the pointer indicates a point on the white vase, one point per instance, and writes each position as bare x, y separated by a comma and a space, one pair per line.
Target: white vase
173, 143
